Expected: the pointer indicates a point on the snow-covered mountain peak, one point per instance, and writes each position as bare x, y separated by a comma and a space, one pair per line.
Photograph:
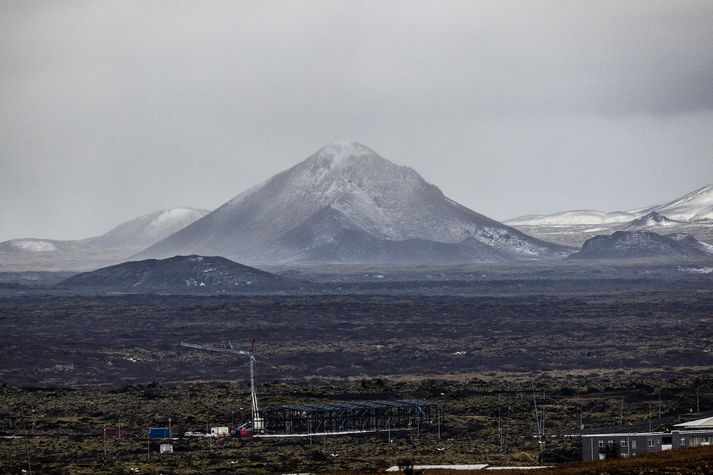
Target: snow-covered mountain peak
338, 152
175, 217
348, 197
148, 229
696, 205
653, 219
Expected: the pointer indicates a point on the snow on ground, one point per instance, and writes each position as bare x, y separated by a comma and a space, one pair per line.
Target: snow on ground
696, 270
573, 217
31, 245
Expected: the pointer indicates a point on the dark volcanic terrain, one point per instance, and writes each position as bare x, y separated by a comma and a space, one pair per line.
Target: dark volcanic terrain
128, 339
578, 336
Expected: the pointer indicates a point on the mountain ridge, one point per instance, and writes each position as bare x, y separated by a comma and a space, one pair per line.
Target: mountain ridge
694, 206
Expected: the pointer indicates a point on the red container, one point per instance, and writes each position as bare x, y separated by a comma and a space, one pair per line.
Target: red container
112, 432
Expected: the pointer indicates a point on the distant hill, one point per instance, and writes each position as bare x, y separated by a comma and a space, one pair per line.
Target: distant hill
345, 203
148, 229
180, 274
651, 220
113, 246
639, 244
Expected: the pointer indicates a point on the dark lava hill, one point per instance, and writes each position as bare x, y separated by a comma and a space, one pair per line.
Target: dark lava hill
641, 244
181, 274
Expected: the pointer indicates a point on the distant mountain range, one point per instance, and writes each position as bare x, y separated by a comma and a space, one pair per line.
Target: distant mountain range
691, 214
695, 206
181, 275
117, 244
346, 204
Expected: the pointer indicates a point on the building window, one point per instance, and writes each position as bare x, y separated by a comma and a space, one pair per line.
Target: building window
683, 441
624, 444
633, 444
601, 444
610, 443
651, 443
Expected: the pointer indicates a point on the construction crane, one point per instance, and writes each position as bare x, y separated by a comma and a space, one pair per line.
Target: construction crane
258, 424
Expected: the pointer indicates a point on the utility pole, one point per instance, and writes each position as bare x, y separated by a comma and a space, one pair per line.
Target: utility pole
649, 416
27, 447
507, 423
621, 411
500, 428
537, 420
439, 412
659, 403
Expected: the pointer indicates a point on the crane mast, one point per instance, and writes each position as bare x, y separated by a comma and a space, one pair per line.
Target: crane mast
258, 423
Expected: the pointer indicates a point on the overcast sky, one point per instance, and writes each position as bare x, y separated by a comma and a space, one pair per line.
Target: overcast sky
113, 109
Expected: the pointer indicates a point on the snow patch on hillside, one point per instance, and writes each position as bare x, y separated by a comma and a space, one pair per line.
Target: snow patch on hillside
565, 218
31, 245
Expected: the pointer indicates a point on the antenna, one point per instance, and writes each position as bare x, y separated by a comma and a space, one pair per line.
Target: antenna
540, 425
258, 422
649, 416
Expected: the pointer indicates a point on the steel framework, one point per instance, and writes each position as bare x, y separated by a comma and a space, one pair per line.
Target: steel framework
351, 417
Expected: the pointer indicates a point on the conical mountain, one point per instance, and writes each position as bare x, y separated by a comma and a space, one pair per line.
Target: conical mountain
345, 203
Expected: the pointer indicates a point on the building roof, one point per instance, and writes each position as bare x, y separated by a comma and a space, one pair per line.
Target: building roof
706, 423
626, 434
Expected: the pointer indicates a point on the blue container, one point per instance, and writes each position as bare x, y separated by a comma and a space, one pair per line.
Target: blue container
159, 433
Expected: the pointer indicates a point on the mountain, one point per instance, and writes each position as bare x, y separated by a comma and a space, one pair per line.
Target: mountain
694, 206
180, 274
651, 220
32, 245
697, 205
345, 203
638, 244
117, 244
148, 229
691, 241
691, 213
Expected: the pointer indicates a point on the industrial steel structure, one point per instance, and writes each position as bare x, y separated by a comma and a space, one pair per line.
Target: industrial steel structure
351, 417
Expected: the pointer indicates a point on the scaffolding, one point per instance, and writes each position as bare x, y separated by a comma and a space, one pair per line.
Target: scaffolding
351, 417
